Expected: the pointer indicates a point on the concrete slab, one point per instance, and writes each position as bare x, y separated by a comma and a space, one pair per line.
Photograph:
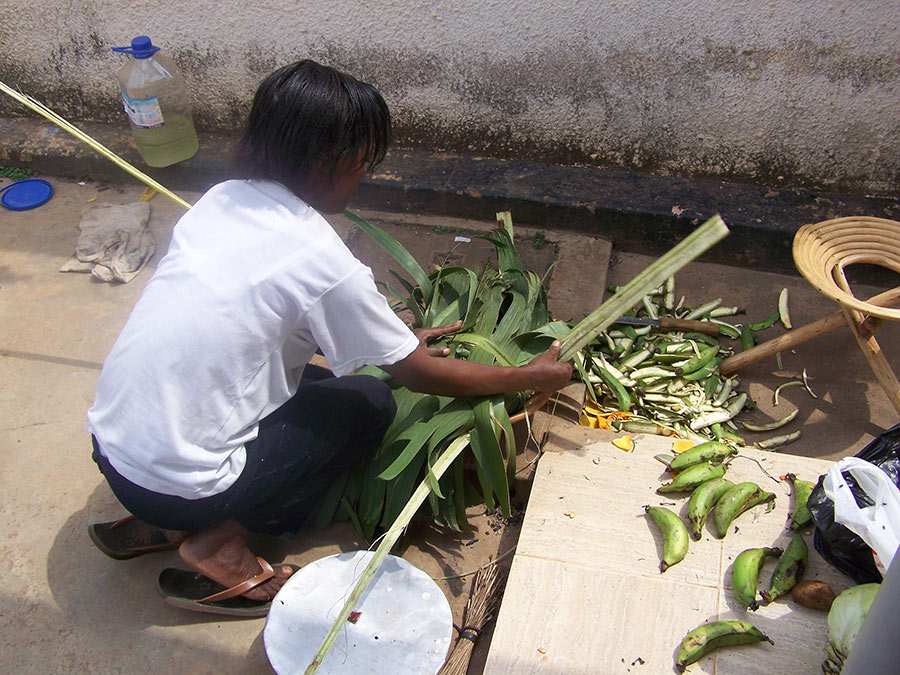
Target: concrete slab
599, 622
585, 594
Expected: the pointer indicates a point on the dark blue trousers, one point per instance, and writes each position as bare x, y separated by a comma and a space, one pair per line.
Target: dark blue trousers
328, 425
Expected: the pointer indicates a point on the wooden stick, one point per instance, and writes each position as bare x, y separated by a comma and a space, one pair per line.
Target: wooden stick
872, 351
799, 335
782, 342
705, 327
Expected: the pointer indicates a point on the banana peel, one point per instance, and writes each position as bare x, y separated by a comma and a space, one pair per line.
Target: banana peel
625, 443
595, 418
681, 444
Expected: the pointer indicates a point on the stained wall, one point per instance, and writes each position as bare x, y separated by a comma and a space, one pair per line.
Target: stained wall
775, 92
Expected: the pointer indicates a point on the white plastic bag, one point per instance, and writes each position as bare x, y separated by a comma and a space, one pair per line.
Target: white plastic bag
878, 525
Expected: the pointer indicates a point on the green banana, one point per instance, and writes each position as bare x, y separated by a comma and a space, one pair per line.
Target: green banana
733, 503
703, 499
704, 639
745, 574
693, 477
801, 517
711, 451
789, 569
675, 535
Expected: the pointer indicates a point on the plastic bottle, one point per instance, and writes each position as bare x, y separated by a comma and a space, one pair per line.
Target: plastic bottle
155, 98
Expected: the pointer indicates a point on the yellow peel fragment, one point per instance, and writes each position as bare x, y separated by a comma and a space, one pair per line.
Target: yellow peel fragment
624, 443
588, 421
682, 444
592, 408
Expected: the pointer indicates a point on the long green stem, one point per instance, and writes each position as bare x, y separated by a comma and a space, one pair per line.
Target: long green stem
61, 122
387, 543
699, 241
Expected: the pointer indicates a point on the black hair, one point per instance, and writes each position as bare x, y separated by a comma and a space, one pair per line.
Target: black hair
305, 118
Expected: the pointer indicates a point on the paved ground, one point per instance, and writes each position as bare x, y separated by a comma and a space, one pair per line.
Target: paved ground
69, 608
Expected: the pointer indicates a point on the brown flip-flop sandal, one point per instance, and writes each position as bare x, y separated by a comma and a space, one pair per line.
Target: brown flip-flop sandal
192, 591
129, 537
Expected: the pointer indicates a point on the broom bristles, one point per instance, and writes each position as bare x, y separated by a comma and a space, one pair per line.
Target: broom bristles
478, 612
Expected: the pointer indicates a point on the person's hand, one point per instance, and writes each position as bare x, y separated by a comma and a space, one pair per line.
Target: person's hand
426, 335
547, 372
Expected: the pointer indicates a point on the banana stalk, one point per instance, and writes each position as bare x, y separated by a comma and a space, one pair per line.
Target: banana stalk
695, 244
390, 538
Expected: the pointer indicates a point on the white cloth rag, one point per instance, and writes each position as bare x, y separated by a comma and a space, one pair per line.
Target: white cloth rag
115, 242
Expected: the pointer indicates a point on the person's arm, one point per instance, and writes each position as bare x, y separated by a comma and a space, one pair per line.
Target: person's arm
425, 371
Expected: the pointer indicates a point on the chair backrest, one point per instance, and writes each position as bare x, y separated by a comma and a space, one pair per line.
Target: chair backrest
823, 250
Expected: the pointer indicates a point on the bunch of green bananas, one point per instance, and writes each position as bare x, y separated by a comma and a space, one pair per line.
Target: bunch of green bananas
745, 574
700, 471
702, 500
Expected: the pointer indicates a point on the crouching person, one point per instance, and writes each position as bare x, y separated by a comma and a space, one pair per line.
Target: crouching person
208, 423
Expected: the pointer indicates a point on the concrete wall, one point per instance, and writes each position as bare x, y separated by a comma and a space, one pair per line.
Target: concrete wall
781, 92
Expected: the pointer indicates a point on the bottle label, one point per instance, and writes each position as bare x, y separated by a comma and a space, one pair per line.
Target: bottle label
143, 112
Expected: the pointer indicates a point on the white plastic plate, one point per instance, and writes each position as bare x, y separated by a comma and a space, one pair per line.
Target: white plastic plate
404, 624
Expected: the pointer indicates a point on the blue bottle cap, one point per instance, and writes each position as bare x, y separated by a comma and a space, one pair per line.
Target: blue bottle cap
141, 48
26, 194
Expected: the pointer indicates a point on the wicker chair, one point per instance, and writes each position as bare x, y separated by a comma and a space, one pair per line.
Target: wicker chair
822, 251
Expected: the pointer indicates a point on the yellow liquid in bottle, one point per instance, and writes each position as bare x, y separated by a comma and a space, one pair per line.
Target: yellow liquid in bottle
154, 92
175, 141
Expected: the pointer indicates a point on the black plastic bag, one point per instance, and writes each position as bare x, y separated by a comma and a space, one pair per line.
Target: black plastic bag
838, 545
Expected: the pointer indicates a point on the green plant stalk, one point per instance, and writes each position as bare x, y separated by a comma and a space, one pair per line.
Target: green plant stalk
61, 122
695, 244
387, 543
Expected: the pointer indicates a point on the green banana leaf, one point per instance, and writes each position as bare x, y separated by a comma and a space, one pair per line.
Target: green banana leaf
505, 321
396, 250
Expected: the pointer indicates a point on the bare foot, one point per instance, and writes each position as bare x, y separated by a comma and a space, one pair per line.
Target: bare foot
221, 554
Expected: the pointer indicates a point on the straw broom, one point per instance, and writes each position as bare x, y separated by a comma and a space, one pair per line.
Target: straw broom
479, 611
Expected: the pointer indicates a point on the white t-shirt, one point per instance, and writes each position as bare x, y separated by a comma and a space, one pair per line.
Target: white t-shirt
254, 280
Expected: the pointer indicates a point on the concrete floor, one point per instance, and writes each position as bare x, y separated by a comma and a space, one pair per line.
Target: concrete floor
68, 608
